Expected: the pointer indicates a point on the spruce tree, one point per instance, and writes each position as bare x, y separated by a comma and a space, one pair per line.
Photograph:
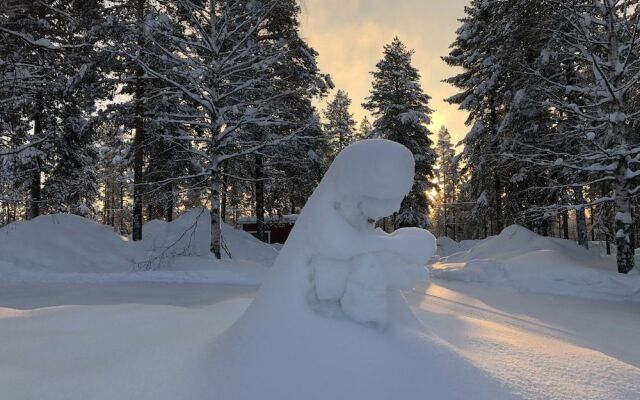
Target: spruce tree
402, 112
49, 86
340, 125
447, 181
365, 129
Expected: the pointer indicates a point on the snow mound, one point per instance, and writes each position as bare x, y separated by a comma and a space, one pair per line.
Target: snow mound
64, 243
69, 248
190, 235
448, 246
244, 246
529, 262
330, 321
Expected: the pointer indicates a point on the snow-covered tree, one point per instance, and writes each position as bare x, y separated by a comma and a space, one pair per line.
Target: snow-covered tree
228, 81
447, 176
477, 50
290, 167
49, 85
340, 125
597, 41
401, 111
550, 88
365, 129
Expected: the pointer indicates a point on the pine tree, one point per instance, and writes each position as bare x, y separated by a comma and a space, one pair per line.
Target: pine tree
50, 83
340, 125
447, 182
593, 102
296, 81
401, 109
71, 184
134, 23
477, 51
231, 83
365, 128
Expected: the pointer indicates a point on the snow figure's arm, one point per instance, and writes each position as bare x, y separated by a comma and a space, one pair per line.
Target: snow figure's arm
338, 238
414, 245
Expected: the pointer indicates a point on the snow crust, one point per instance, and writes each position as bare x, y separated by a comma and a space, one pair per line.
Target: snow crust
525, 261
329, 320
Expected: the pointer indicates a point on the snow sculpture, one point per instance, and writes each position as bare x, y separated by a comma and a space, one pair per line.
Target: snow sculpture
297, 339
335, 257
351, 265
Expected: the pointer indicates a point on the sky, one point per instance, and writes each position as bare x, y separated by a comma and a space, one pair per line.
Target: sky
350, 35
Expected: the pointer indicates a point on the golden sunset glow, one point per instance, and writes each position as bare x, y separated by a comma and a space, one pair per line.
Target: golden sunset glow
350, 34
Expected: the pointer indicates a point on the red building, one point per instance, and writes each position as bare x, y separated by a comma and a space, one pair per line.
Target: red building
276, 228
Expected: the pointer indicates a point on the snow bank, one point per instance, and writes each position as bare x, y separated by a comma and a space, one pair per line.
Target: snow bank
529, 262
244, 246
69, 248
190, 235
329, 322
110, 352
63, 243
448, 247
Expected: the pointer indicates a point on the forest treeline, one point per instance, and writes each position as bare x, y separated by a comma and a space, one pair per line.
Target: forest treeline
552, 91
131, 110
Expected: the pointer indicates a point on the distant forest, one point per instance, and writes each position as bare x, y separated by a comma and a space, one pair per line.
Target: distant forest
130, 110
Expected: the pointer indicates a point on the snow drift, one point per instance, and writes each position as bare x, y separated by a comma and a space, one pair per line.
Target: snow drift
448, 246
190, 235
529, 262
64, 243
329, 321
69, 248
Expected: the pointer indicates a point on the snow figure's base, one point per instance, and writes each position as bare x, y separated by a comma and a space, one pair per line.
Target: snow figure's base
313, 331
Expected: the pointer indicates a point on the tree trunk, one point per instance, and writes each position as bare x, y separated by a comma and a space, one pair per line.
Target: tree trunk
168, 209
225, 186
105, 204
623, 221
593, 232
121, 215
581, 220
112, 214
35, 196
545, 227
138, 139
445, 212
259, 205
216, 229
497, 185
35, 189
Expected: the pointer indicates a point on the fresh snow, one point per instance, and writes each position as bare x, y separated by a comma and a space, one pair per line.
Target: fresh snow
68, 248
346, 312
525, 261
329, 320
154, 341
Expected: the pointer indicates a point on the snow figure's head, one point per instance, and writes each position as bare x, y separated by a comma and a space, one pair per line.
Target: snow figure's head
369, 180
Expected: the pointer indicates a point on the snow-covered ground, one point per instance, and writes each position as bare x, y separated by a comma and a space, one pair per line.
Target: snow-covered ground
67, 248
523, 261
86, 314
154, 340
